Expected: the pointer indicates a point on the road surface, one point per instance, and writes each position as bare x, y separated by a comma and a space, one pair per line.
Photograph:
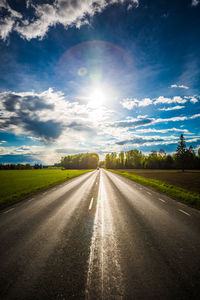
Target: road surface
99, 236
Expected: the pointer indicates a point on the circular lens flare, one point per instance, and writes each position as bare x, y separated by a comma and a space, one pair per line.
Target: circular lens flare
82, 72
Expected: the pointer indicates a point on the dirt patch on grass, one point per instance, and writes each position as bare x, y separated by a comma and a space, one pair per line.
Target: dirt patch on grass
189, 180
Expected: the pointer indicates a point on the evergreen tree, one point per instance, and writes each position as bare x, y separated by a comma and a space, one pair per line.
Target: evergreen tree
181, 153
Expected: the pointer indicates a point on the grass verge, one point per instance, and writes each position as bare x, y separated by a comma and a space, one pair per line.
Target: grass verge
173, 191
17, 184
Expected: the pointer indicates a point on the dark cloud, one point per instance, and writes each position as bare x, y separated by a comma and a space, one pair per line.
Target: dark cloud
35, 103
47, 130
14, 103
134, 123
79, 126
24, 115
139, 141
10, 101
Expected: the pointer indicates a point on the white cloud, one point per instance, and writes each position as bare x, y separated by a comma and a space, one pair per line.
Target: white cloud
135, 122
14, 13
6, 27
179, 86
28, 3
176, 99
171, 108
194, 116
149, 130
195, 2
193, 100
131, 103
65, 12
173, 119
142, 116
145, 102
7, 23
135, 3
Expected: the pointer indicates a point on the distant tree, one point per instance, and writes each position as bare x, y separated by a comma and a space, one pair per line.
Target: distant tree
93, 161
101, 164
80, 161
113, 158
182, 153
121, 160
152, 161
162, 152
169, 162
107, 161
36, 166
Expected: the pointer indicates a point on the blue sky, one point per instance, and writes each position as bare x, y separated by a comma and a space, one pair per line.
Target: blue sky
84, 75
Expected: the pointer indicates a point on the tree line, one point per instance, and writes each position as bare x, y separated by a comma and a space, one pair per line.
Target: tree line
20, 166
80, 161
184, 158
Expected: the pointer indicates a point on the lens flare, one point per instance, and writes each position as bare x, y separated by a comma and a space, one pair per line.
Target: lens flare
82, 72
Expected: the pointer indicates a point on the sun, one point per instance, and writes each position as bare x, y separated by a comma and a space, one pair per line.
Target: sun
97, 97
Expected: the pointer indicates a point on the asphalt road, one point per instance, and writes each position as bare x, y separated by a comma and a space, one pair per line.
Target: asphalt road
99, 236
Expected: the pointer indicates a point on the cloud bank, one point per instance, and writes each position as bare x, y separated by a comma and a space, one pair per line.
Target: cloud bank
65, 12
129, 103
46, 115
50, 120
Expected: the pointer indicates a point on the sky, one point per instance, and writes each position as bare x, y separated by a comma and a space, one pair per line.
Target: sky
99, 76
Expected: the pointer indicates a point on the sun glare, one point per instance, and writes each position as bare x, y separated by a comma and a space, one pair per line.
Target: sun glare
97, 97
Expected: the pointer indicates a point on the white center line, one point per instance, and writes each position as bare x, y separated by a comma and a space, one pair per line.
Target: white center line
162, 200
149, 193
184, 212
5, 212
91, 202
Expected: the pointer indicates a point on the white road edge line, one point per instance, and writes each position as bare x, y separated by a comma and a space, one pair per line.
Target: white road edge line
31, 199
162, 200
91, 202
5, 212
184, 212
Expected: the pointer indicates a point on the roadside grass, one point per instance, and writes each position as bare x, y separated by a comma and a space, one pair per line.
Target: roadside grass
174, 191
17, 184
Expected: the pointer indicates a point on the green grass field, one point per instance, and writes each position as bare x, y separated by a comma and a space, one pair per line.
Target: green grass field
17, 184
182, 186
